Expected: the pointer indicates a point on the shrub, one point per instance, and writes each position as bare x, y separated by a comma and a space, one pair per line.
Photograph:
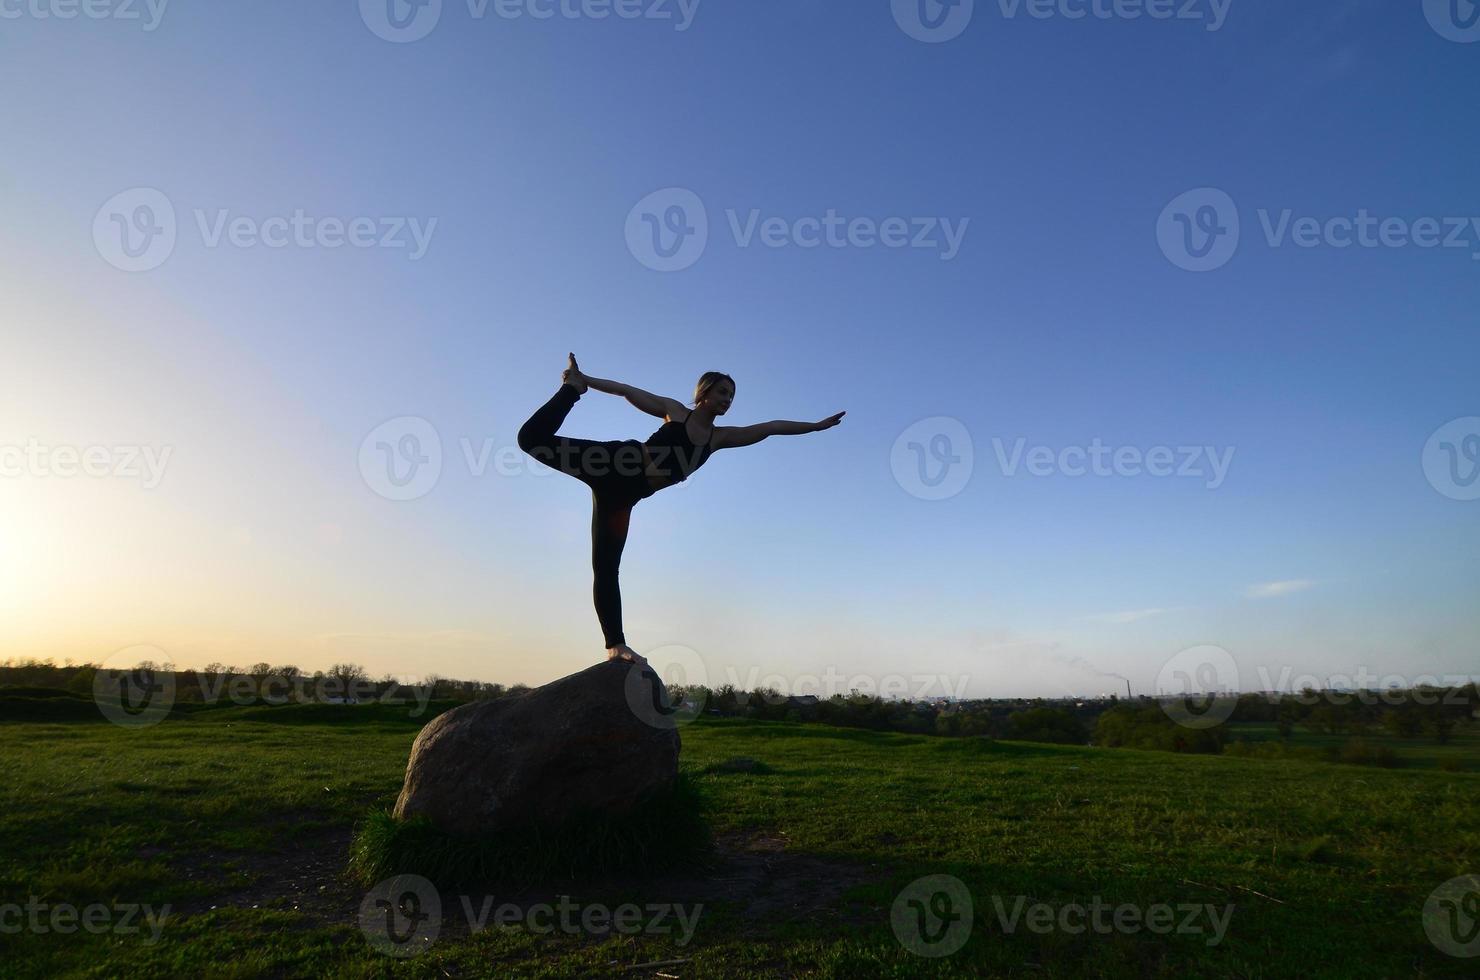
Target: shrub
1047, 725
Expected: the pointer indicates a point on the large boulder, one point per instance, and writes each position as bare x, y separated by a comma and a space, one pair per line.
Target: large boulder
599, 740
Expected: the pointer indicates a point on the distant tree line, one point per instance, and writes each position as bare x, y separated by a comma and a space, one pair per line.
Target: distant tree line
1144, 723
217, 681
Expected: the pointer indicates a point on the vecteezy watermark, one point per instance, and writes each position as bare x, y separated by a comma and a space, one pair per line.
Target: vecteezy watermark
932, 459
668, 230
62, 918
1101, 917
1363, 686
934, 21
1454, 20
1126, 461
402, 916
402, 21
1451, 459
595, 919
1198, 686
126, 462
668, 692
147, 12
830, 683
1451, 916
402, 458
136, 230
136, 687
131, 690
932, 916
1200, 230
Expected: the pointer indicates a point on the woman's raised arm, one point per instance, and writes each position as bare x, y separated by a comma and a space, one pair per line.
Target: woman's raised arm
644, 401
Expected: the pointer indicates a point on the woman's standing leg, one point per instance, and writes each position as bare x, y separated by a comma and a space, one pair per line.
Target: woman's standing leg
614, 475
610, 517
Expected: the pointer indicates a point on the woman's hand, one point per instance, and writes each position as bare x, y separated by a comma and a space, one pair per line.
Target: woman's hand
829, 422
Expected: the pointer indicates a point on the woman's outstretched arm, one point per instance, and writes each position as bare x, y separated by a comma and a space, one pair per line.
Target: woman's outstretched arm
749, 435
644, 401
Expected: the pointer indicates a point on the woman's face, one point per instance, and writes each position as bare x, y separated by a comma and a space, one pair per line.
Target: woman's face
720, 396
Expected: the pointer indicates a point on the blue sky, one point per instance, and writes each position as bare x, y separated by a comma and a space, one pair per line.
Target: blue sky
1056, 145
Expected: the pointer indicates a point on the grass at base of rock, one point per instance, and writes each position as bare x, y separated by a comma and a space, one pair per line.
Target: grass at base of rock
663, 833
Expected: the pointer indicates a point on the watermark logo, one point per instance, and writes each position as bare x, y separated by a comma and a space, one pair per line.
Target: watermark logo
135, 229
148, 12
1099, 459
1103, 918
933, 21
1364, 686
121, 918
401, 21
1203, 684
933, 916
668, 230
832, 683
933, 458
673, 668
401, 916
830, 229
134, 687
1454, 20
401, 459
1451, 916
1451, 459
37, 460
1199, 230
574, 919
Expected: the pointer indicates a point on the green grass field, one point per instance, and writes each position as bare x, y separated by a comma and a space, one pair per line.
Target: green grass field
1462, 751
240, 820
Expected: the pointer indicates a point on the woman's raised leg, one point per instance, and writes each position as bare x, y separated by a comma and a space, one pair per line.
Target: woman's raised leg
538, 438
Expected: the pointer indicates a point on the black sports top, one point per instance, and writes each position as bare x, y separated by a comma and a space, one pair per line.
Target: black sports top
671, 444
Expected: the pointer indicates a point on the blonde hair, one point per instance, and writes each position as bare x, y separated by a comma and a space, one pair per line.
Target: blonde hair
708, 380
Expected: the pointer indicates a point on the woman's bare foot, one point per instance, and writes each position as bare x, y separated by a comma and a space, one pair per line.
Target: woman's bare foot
573, 376
624, 652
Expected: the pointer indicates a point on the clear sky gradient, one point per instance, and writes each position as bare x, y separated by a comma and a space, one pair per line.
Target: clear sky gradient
1060, 321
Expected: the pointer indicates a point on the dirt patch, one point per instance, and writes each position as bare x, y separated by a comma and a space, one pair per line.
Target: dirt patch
305, 875
753, 876
308, 880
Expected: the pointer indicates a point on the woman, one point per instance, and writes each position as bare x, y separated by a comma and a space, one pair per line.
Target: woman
622, 472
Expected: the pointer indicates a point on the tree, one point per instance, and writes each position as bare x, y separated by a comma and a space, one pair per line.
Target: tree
1403, 722
349, 678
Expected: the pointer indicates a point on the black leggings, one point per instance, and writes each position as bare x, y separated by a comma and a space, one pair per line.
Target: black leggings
614, 472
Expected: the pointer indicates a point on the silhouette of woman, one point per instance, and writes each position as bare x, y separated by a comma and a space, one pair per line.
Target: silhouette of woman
622, 472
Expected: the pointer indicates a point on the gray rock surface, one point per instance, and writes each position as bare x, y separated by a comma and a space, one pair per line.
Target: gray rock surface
595, 740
